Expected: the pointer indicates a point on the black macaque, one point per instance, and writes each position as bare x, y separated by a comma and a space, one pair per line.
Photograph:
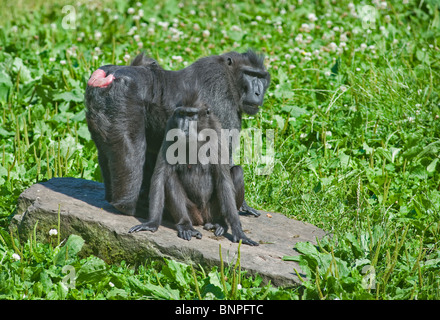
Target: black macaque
190, 182
128, 108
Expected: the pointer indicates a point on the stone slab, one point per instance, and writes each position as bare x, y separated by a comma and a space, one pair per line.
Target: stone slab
83, 211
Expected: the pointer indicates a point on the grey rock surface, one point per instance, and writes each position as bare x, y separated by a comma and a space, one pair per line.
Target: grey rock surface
83, 211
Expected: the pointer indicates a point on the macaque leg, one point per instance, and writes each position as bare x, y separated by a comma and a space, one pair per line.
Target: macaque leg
176, 199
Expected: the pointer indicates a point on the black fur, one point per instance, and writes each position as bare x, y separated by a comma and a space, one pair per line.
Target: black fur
127, 118
196, 194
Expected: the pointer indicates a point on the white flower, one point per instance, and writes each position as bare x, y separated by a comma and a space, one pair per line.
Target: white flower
235, 28
126, 57
305, 27
16, 257
303, 135
164, 25
98, 35
62, 62
343, 37
312, 17
239, 286
111, 284
53, 232
130, 10
333, 46
136, 37
206, 33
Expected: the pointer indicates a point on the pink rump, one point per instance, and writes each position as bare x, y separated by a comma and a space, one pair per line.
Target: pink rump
98, 79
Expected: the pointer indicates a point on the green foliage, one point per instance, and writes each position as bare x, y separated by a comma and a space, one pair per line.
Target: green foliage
353, 105
378, 264
39, 271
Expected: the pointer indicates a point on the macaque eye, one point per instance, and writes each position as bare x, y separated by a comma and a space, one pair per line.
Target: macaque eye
230, 61
207, 112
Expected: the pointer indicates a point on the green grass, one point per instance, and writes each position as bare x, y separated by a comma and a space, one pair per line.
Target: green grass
356, 118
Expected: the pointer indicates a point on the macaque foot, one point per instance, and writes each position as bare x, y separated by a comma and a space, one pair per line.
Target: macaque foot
219, 230
249, 210
186, 232
244, 240
144, 227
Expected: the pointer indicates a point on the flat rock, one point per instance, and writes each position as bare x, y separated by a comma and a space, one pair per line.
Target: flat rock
83, 211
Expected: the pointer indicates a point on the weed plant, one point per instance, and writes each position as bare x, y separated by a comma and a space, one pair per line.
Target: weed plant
354, 104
